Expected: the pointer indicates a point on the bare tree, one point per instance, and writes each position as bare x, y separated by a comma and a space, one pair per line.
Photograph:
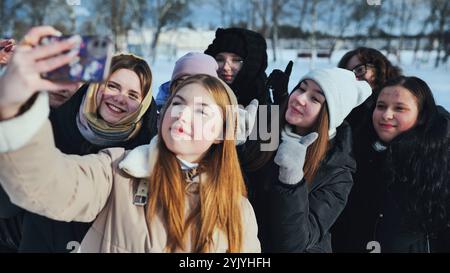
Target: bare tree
440, 12
223, 7
304, 8
234, 13
119, 16
166, 12
421, 34
262, 12
8, 14
253, 14
18, 16
278, 9
391, 12
408, 10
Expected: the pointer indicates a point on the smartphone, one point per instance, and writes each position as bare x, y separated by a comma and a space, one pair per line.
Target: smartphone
92, 63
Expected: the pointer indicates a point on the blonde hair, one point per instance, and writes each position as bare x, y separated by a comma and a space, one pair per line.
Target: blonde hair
220, 195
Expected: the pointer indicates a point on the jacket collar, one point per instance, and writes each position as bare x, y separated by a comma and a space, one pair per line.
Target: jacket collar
140, 161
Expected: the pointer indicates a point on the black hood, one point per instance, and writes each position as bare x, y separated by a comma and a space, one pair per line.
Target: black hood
251, 46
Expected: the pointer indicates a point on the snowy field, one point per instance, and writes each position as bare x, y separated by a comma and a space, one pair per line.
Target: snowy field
437, 79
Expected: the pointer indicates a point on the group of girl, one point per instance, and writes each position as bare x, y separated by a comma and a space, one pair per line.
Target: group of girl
362, 157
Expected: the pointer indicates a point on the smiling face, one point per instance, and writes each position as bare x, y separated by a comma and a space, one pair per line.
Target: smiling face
396, 112
304, 106
192, 123
229, 66
120, 96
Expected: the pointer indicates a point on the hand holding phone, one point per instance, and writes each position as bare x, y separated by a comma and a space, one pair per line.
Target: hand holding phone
91, 64
21, 79
7, 47
7, 44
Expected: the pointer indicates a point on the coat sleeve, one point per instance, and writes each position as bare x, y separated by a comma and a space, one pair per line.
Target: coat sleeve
299, 219
39, 178
251, 242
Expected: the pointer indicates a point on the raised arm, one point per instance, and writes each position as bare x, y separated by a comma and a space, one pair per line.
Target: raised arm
41, 179
34, 174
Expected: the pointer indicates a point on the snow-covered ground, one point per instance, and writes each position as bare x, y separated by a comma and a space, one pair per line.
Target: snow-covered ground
437, 79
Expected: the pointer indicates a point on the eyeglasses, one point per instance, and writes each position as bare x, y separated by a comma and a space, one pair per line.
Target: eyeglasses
361, 69
234, 63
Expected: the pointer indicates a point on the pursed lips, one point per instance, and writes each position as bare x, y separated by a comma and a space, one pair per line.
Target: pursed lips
178, 129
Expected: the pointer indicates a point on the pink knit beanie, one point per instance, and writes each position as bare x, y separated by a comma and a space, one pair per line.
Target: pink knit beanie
195, 63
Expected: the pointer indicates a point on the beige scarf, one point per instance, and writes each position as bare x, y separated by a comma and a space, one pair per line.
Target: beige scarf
98, 131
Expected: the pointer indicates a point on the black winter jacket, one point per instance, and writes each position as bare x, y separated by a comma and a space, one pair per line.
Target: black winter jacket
298, 218
374, 215
23, 231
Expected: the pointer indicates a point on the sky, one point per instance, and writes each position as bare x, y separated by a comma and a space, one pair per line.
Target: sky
207, 14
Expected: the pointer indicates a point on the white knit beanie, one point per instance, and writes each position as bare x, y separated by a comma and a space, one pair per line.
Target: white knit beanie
342, 90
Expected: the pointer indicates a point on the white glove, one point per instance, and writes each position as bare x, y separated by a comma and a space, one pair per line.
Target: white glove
291, 156
246, 121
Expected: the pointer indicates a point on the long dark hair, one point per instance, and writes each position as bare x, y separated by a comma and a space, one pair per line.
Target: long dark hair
384, 69
418, 163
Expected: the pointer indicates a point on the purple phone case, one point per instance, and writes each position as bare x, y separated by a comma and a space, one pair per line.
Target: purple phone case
92, 64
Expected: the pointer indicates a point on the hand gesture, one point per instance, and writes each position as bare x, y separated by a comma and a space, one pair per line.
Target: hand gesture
22, 78
291, 156
6, 50
278, 81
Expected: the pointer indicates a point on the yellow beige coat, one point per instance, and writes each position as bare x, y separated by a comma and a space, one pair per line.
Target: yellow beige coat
99, 188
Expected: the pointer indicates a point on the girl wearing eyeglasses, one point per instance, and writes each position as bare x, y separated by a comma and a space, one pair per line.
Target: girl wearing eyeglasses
372, 66
242, 59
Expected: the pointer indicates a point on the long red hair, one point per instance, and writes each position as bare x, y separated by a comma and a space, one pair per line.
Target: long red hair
221, 189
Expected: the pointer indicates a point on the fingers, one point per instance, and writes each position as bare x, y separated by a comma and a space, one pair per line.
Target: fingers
56, 87
46, 51
273, 77
252, 109
10, 48
253, 105
33, 36
7, 45
56, 62
309, 139
4, 42
288, 69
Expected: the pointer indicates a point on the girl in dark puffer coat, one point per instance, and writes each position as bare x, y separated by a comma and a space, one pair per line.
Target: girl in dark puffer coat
302, 187
401, 196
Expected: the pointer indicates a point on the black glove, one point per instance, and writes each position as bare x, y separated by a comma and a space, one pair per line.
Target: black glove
278, 81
